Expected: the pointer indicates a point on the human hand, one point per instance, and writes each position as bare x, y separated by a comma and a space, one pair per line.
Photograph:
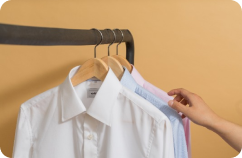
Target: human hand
197, 111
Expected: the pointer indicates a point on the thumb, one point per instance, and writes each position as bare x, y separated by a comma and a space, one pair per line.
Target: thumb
178, 106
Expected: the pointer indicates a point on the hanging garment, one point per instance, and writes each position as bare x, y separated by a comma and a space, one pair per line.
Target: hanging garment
94, 119
180, 147
165, 97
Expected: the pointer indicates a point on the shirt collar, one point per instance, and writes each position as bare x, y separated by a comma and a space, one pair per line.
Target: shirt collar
102, 104
128, 81
137, 77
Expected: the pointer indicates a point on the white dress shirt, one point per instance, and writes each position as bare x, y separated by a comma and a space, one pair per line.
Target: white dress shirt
94, 119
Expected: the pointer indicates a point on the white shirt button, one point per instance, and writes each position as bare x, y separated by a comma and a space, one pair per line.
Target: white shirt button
89, 137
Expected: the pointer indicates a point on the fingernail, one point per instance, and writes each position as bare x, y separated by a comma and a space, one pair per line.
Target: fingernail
170, 102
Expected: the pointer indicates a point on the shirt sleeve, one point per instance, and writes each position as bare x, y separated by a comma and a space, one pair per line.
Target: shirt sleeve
162, 145
23, 136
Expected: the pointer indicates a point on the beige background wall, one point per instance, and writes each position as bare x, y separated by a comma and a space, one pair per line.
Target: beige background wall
194, 44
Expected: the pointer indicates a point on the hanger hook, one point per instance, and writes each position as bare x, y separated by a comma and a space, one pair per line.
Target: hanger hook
120, 41
114, 35
99, 42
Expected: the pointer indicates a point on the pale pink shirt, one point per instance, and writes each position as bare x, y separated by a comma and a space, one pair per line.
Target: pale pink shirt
165, 97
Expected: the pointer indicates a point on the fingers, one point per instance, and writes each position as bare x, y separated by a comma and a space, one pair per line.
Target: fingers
178, 98
180, 101
184, 102
180, 91
183, 116
178, 106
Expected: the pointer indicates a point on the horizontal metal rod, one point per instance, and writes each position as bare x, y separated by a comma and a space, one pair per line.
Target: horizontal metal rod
47, 36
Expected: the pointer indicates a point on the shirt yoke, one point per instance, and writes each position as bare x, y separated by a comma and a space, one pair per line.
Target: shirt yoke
39, 97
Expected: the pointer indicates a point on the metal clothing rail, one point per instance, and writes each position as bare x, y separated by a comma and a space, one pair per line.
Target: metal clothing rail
47, 36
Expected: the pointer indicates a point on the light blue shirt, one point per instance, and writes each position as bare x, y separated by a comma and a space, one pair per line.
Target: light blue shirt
180, 147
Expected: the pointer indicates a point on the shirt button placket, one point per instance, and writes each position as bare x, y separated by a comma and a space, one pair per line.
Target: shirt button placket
90, 137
